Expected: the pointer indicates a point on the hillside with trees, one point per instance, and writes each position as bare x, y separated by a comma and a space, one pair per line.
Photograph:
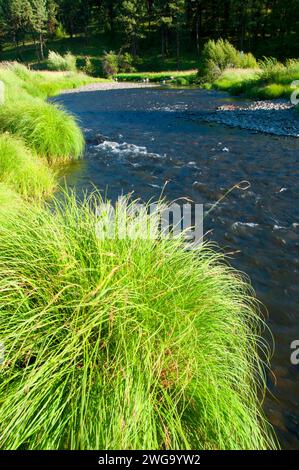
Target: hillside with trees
169, 27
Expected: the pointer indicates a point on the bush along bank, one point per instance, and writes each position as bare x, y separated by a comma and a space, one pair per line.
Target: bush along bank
122, 344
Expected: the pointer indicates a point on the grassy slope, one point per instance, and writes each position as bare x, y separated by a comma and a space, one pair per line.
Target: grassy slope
173, 77
21, 83
23, 171
36, 129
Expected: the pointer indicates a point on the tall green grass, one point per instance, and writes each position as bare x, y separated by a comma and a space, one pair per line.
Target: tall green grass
270, 81
22, 171
120, 343
9, 199
50, 131
24, 84
41, 129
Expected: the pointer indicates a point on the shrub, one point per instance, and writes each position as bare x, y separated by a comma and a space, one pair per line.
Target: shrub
89, 67
22, 171
110, 64
220, 55
216, 57
60, 32
20, 70
125, 63
181, 81
58, 62
120, 343
46, 128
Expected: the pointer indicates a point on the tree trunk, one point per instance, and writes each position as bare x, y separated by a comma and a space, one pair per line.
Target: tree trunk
163, 43
166, 43
16, 43
197, 36
178, 47
111, 17
41, 46
36, 48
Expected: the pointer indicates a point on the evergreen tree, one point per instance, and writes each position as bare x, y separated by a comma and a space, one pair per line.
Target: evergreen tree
39, 23
17, 17
131, 15
52, 9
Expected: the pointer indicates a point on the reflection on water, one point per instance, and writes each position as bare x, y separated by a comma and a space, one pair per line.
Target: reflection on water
139, 139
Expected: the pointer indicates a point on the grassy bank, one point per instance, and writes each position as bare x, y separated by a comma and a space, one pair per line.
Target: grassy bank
36, 135
121, 343
268, 82
225, 68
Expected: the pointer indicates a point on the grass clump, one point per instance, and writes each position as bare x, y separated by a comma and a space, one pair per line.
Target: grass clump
22, 171
47, 129
66, 62
122, 343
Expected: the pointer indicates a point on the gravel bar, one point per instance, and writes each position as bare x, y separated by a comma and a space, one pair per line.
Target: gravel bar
104, 86
271, 117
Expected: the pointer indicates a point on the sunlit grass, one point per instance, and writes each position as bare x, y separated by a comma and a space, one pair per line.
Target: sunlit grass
21, 83
9, 199
23, 171
272, 80
50, 131
121, 343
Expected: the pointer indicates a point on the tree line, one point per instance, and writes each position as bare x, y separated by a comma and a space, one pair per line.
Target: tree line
171, 24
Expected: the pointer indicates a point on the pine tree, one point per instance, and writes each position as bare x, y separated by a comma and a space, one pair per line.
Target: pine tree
52, 9
39, 24
17, 18
130, 19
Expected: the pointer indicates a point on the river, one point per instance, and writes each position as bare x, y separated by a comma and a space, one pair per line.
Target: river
140, 138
